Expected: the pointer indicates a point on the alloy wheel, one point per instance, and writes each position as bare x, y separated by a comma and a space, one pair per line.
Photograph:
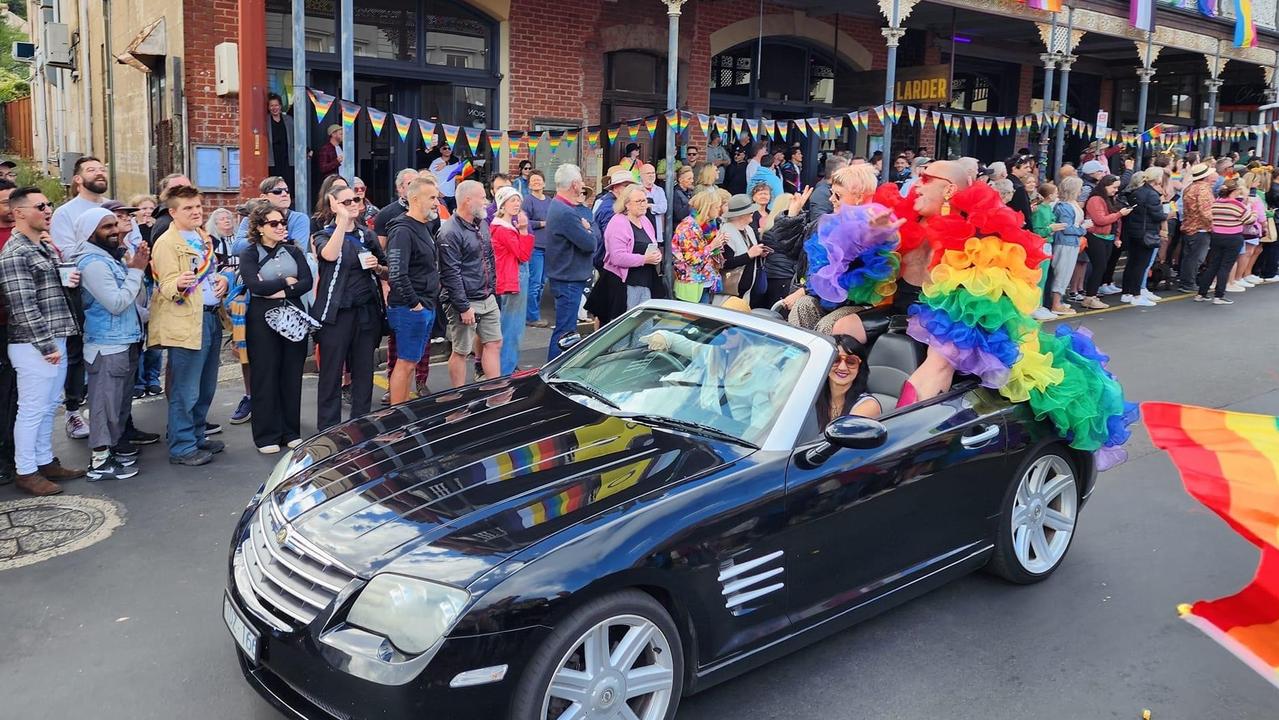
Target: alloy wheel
621, 668
1045, 510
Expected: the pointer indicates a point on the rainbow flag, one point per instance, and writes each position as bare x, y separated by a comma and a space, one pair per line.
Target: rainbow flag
533, 140
427, 128
472, 139
322, 102
402, 125
612, 133
450, 134
463, 171
650, 125
1245, 28
553, 137
350, 111
377, 118
1048, 5
1229, 461
592, 138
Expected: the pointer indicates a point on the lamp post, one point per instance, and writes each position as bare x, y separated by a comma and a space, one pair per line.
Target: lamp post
892, 37
672, 103
301, 176
348, 85
1050, 64
1066, 59
1145, 73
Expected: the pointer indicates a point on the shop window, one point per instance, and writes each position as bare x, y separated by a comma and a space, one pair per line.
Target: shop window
789, 71
636, 72
821, 79
456, 36
457, 105
731, 72
386, 29
321, 25
216, 167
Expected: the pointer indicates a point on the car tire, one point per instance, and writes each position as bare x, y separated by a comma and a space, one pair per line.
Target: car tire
1038, 518
629, 615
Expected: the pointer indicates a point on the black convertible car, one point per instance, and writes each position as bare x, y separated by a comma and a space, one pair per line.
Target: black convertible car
626, 525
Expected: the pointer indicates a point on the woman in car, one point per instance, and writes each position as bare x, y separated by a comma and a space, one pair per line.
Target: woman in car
846, 391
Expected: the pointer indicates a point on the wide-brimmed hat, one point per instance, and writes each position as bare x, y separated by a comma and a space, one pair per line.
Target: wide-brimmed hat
739, 205
619, 178
1199, 171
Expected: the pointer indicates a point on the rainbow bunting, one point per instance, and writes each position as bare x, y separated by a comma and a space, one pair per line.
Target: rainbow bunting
450, 134
704, 122
1229, 462
593, 138
681, 121
322, 103
377, 118
752, 127
570, 137
721, 124
402, 125
737, 125
533, 140
554, 137
632, 131
672, 120
650, 125
769, 127
1005, 124
496, 139
472, 139
1047, 5
612, 132
350, 111
427, 128
1245, 28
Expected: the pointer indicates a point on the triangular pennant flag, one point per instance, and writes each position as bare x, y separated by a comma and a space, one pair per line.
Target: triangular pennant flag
350, 111
592, 138
704, 122
377, 118
450, 134
768, 126
402, 125
632, 131
427, 128
322, 102
570, 137
672, 120
737, 125
752, 127
496, 139
612, 133
911, 112
533, 140
721, 124
473, 139
554, 139
681, 121
650, 124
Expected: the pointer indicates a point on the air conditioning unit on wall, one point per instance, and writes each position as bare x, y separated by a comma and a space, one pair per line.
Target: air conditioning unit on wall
57, 45
226, 64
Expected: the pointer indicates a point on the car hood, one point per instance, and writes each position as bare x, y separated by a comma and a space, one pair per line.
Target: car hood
447, 486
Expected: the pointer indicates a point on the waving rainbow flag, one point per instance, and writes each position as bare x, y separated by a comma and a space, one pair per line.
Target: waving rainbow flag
1245, 28
1229, 461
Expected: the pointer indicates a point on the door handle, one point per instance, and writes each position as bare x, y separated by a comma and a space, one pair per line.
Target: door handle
986, 435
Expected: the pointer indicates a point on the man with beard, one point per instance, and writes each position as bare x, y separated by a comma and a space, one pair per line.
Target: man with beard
109, 287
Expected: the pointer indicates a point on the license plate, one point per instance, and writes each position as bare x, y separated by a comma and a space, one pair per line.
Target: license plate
245, 636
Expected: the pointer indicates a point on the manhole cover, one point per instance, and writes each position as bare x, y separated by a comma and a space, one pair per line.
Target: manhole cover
36, 529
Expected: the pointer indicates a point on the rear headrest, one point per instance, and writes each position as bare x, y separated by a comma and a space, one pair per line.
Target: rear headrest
892, 360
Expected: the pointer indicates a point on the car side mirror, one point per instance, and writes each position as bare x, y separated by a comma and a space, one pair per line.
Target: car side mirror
851, 431
569, 341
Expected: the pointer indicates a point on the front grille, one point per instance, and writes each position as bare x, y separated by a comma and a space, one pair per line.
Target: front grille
292, 578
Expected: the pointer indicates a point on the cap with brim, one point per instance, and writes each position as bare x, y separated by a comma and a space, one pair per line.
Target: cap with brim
1199, 172
621, 178
6, 162
334, 128
117, 206
739, 205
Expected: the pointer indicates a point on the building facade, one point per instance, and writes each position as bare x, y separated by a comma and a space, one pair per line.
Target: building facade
141, 88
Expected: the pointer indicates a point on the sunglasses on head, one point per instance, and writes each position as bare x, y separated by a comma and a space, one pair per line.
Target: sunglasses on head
278, 191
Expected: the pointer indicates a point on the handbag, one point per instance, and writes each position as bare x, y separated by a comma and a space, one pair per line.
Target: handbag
1270, 231
733, 281
291, 322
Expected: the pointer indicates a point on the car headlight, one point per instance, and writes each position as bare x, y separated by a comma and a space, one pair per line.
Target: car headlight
413, 614
279, 474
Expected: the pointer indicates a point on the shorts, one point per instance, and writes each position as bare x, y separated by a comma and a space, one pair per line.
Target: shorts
488, 325
412, 330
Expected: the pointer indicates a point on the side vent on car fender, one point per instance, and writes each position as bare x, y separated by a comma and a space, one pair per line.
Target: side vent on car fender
746, 582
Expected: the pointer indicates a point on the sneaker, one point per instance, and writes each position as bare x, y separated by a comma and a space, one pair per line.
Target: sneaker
1150, 296
125, 449
1125, 298
213, 446
294, 443
1269, 280
155, 389
269, 449
123, 460
212, 428
1138, 301
1232, 287
1093, 303
140, 437
1202, 298
192, 459
111, 469
139, 393
1075, 296
1253, 279
77, 428
1109, 289
243, 412
1222, 301
1064, 310
1043, 314
1183, 288
1244, 283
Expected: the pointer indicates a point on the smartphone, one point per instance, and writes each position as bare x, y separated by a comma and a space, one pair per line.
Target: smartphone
195, 264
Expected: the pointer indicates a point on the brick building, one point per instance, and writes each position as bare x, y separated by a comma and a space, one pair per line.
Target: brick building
547, 65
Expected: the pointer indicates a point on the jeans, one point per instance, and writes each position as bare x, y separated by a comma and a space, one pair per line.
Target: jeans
1194, 248
1222, 254
193, 380
513, 314
110, 386
568, 299
536, 281
39, 391
150, 363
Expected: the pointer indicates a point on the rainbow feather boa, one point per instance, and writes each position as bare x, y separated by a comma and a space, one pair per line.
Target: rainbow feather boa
852, 261
975, 310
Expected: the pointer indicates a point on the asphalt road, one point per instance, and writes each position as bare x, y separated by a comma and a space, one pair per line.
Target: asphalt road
131, 628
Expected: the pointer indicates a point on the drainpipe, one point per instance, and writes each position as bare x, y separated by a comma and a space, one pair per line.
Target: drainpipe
108, 69
86, 94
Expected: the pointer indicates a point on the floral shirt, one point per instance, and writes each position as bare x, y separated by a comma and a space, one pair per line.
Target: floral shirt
694, 262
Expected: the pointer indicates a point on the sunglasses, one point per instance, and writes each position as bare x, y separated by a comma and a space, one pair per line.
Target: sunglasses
40, 207
349, 201
848, 361
273, 224
278, 191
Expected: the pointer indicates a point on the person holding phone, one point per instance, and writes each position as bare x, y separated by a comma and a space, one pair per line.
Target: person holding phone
631, 258
1106, 213
349, 306
743, 253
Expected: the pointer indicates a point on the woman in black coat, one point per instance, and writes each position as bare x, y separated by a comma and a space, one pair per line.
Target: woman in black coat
1141, 232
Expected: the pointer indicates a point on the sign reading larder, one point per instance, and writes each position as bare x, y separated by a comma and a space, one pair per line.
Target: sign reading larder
933, 89
918, 85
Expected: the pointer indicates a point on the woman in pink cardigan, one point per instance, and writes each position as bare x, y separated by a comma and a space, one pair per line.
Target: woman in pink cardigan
631, 258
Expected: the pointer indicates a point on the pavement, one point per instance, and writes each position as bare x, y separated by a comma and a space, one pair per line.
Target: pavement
130, 627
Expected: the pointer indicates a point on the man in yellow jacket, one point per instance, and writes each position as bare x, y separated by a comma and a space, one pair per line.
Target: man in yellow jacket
185, 319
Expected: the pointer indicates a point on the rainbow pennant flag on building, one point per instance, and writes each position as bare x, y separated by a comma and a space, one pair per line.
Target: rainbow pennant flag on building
1048, 5
322, 102
650, 125
570, 137
450, 134
592, 138
632, 130
472, 139
377, 118
612, 132
497, 138
533, 140
752, 127
1245, 28
350, 111
427, 128
1229, 461
554, 137
402, 125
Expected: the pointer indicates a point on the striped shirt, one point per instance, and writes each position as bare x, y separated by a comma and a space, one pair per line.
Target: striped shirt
1230, 215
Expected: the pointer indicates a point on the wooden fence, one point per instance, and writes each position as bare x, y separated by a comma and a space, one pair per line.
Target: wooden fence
17, 138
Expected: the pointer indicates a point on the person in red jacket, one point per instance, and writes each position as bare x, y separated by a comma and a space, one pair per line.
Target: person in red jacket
328, 159
512, 249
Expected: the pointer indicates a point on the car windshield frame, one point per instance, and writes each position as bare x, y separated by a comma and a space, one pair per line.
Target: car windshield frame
803, 374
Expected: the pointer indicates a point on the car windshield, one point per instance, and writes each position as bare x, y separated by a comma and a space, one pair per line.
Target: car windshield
686, 370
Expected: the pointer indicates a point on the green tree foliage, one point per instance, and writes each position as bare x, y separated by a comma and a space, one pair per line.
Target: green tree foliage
51, 186
13, 74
